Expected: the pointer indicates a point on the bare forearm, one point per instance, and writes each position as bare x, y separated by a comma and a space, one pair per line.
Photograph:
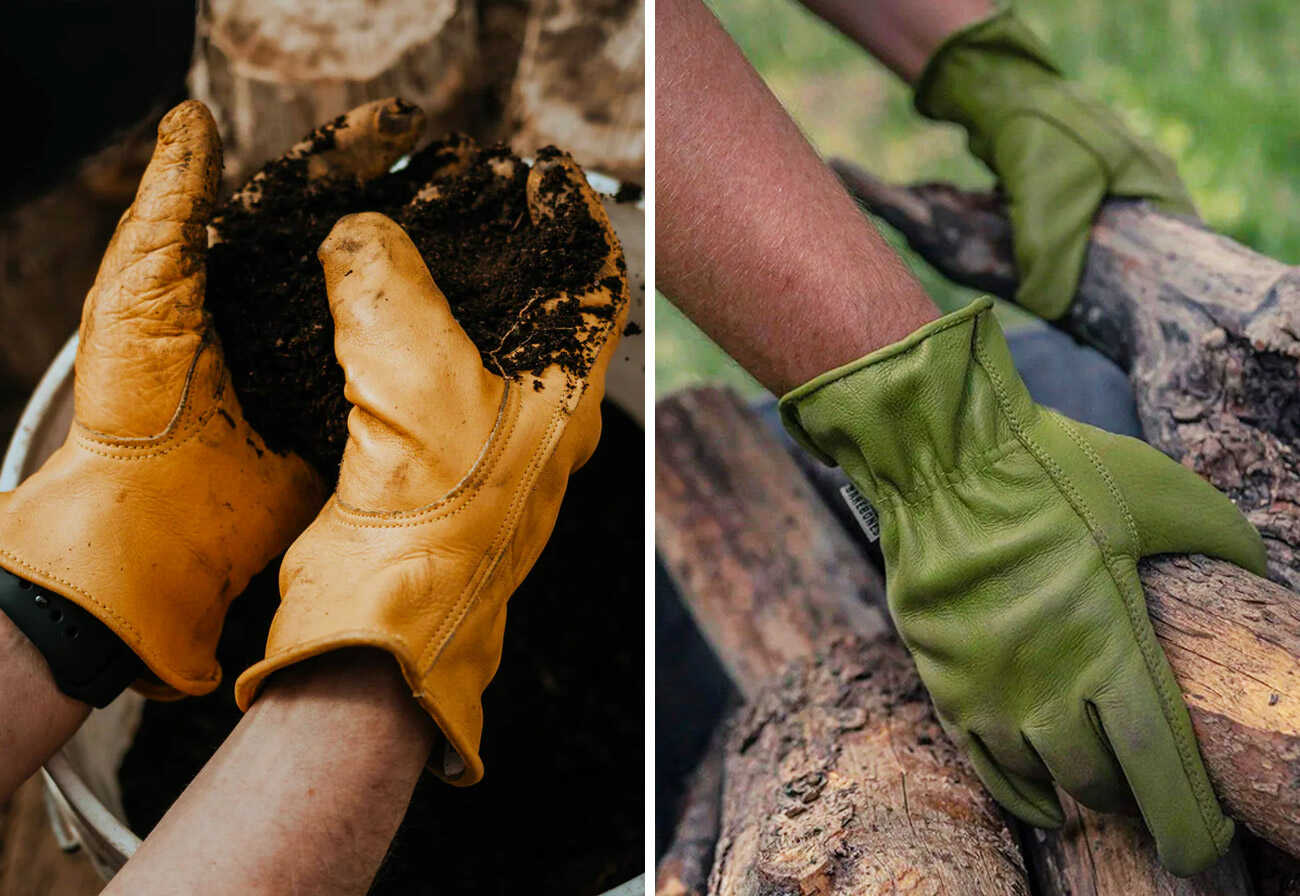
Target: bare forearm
36, 718
755, 238
304, 796
902, 34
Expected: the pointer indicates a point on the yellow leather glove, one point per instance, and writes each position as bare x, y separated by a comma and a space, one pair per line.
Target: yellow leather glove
163, 501
451, 479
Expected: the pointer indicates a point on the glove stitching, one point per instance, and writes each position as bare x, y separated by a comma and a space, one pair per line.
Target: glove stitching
469, 485
500, 542
1153, 659
956, 475
1080, 506
174, 425
136, 644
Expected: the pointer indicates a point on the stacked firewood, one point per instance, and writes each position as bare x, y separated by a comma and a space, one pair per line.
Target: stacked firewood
834, 777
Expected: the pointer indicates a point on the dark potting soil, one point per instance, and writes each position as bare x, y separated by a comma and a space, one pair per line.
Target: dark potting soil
561, 808
266, 290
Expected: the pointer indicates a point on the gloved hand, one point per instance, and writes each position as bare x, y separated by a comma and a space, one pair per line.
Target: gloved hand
1011, 536
163, 501
1057, 154
452, 476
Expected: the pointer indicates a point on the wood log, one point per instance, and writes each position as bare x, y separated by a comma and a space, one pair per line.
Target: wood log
837, 776
1208, 330
580, 84
683, 870
1104, 854
743, 495
1233, 641
272, 70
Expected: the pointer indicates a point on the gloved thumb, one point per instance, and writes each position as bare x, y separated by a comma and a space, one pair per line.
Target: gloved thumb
416, 381
1174, 509
143, 324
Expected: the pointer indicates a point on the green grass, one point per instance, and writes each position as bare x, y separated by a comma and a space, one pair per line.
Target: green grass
1214, 84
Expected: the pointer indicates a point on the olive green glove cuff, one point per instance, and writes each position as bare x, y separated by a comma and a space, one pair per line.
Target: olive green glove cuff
1057, 154
909, 429
1011, 537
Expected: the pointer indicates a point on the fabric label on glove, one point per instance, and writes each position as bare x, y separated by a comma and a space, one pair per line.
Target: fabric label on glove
862, 511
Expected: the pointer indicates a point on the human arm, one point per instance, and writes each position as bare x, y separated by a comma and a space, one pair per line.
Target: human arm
305, 794
755, 239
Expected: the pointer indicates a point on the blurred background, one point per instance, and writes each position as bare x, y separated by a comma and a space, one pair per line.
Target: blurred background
1214, 84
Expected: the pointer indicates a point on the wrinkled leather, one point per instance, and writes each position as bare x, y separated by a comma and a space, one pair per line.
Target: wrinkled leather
1057, 154
163, 501
1011, 536
450, 483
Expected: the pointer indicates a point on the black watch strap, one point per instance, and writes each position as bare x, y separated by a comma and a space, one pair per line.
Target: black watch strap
89, 662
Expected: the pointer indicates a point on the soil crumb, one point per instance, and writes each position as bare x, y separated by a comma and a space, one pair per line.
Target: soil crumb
465, 207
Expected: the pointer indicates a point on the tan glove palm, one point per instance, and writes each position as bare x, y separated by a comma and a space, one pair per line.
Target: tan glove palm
451, 479
163, 501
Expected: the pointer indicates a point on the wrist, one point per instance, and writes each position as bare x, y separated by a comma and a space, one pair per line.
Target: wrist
85, 659
351, 689
915, 414
980, 73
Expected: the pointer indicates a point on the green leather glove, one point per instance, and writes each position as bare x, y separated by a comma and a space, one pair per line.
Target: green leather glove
1011, 536
1056, 153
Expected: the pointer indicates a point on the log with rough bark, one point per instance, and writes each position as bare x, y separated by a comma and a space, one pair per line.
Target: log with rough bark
1112, 854
737, 533
837, 777
579, 84
683, 870
1233, 640
1208, 330
272, 70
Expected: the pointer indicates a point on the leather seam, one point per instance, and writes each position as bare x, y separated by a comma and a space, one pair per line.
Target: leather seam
1080, 506
446, 631
175, 424
449, 504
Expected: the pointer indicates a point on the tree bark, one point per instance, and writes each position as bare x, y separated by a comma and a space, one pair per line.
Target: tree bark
581, 84
1233, 641
732, 508
683, 870
838, 779
1103, 854
1208, 330
273, 70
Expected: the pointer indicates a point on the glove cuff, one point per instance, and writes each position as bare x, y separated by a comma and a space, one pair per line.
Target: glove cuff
155, 536
980, 73
916, 414
430, 585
